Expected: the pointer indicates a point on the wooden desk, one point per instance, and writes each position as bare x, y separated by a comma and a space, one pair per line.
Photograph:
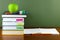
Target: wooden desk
32, 37
12, 37
42, 36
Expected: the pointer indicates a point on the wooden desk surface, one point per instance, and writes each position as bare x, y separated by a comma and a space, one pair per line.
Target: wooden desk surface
12, 38
32, 37
42, 36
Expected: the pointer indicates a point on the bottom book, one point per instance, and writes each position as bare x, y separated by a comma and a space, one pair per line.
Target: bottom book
12, 32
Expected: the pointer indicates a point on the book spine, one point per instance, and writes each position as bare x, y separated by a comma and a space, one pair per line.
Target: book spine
13, 23
13, 28
13, 19
12, 32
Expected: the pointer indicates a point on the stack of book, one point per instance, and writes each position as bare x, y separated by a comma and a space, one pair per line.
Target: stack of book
13, 24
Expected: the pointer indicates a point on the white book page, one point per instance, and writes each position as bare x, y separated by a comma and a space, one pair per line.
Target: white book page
31, 31
9, 19
9, 28
8, 23
41, 31
48, 31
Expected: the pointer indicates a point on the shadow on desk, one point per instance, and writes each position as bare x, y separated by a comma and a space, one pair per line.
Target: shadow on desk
42, 37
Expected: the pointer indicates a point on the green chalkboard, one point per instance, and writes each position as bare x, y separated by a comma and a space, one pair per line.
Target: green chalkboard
42, 13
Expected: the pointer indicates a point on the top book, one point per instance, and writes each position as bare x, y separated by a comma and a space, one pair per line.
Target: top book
14, 16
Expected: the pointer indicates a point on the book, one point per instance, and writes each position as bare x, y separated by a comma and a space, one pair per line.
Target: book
20, 23
12, 32
13, 23
41, 31
13, 28
14, 16
13, 19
